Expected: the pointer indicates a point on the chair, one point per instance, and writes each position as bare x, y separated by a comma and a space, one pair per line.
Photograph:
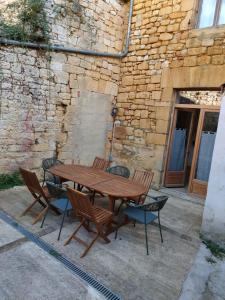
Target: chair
120, 171
87, 212
142, 213
60, 202
100, 163
144, 178
39, 193
141, 177
47, 163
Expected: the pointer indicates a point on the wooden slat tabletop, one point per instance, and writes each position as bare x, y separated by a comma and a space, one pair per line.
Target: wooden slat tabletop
101, 181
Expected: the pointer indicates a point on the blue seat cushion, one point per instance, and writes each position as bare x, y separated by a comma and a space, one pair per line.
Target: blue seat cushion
138, 215
61, 204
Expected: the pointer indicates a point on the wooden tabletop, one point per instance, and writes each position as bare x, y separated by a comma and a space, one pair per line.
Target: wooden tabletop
101, 181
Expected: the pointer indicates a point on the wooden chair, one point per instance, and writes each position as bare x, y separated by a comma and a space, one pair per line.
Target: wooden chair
39, 193
87, 212
100, 163
142, 177
145, 178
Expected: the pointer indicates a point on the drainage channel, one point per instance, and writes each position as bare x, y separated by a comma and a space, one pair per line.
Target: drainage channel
89, 279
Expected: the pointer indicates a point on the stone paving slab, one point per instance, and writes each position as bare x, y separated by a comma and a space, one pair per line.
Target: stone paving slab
27, 272
123, 264
8, 234
206, 280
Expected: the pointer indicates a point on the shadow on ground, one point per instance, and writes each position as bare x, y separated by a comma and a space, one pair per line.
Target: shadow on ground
123, 265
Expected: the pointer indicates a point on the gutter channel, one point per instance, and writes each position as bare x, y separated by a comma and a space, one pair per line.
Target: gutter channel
75, 269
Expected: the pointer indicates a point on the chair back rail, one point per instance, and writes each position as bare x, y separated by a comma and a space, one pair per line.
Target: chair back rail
100, 163
47, 163
120, 171
81, 204
144, 178
157, 205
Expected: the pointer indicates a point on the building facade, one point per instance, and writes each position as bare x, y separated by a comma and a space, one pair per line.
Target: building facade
170, 86
166, 89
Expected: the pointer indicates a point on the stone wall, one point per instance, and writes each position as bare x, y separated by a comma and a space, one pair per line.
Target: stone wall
57, 103
166, 53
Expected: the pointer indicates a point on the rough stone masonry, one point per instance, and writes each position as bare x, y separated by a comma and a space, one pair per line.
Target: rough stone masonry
62, 105
57, 103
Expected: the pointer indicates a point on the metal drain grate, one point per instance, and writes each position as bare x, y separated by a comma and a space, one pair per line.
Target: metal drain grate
89, 279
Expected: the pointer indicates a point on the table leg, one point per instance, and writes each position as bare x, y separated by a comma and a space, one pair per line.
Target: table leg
112, 201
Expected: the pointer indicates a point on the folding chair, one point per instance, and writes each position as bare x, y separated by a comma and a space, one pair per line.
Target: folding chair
87, 213
141, 177
100, 163
39, 193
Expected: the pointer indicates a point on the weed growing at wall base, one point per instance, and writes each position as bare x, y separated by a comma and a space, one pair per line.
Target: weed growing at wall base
10, 180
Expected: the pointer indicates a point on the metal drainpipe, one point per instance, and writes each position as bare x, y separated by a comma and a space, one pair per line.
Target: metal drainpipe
58, 48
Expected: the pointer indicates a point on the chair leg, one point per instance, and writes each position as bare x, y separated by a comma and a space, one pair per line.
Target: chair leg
90, 245
72, 235
45, 215
63, 218
93, 197
116, 232
40, 215
146, 238
160, 230
61, 225
29, 207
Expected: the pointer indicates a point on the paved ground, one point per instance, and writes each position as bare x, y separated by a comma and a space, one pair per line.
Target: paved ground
123, 265
27, 272
206, 280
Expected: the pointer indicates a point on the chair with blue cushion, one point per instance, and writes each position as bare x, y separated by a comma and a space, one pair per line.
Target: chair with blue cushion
120, 171
60, 202
47, 163
144, 214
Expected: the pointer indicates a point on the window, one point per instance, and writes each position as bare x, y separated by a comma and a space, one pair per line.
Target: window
212, 13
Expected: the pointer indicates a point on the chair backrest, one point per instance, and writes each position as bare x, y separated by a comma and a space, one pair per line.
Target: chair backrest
47, 163
144, 178
56, 190
120, 171
81, 204
100, 163
157, 205
32, 183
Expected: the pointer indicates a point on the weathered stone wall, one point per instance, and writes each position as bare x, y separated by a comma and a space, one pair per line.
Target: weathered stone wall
46, 98
166, 53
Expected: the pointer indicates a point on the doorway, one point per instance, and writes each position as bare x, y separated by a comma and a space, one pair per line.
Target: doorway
191, 143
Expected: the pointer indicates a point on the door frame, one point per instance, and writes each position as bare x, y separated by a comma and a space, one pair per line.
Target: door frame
198, 134
196, 185
171, 137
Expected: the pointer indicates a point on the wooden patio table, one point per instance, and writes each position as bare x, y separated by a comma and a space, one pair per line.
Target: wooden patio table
115, 187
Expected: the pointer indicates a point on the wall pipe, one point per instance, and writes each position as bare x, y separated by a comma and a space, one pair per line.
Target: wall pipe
59, 48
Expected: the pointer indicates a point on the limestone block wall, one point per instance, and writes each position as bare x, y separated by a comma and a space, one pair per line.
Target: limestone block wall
166, 53
52, 103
